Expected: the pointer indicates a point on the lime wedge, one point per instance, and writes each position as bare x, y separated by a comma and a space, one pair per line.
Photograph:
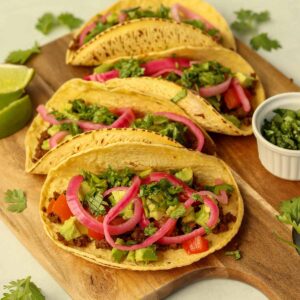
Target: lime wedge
13, 80
15, 116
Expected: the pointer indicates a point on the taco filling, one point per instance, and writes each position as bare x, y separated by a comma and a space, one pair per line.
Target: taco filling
176, 12
138, 214
79, 117
230, 93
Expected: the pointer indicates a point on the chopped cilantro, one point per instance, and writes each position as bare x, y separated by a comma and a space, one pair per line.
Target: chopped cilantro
73, 128
262, 41
216, 189
129, 68
150, 229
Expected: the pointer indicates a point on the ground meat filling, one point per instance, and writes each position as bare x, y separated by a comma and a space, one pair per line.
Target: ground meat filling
102, 244
39, 152
224, 221
81, 241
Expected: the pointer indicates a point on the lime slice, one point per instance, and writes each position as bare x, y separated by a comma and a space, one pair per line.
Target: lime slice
13, 80
15, 116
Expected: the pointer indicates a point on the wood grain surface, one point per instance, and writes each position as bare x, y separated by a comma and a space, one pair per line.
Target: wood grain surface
267, 264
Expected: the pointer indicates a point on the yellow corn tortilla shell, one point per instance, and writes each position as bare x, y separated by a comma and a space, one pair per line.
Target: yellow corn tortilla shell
193, 104
148, 35
141, 157
100, 94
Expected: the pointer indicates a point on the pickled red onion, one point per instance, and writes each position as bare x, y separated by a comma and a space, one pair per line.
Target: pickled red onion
85, 32
167, 71
223, 197
114, 189
56, 138
195, 130
215, 89
87, 220
122, 17
154, 66
241, 95
103, 76
212, 221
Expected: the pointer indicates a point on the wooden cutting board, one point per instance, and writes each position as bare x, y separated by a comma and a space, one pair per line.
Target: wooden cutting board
267, 264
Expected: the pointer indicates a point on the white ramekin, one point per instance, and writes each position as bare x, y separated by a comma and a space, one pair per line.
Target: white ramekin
280, 162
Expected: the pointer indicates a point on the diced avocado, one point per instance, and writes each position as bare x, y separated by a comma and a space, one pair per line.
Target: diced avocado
84, 189
186, 175
145, 173
103, 68
176, 211
244, 80
154, 211
70, 116
53, 129
190, 216
145, 254
69, 229
46, 145
131, 256
233, 119
202, 216
118, 255
127, 213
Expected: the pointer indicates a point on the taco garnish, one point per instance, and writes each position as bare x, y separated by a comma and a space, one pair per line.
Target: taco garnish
230, 93
131, 211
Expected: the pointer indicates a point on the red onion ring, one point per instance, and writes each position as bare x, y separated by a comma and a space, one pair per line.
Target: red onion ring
215, 89
241, 95
56, 138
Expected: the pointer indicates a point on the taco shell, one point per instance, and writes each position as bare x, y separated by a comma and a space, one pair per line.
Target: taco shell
148, 35
141, 157
194, 105
111, 97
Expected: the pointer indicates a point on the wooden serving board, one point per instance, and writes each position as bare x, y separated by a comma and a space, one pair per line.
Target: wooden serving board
267, 264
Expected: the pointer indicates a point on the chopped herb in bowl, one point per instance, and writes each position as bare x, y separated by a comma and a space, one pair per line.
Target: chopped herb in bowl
283, 130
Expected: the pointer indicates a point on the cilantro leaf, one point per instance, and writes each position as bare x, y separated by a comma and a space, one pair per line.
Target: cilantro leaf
236, 254
279, 238
248, 20
23, 289
46, 23
263, 41
290, 213
150, 229
17, 200
69, 20
179, 96
22, 56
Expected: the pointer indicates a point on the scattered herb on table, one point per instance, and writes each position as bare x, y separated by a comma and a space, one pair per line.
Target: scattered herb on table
22, 289
248, 20
69, 20
236, 254
22, 56
290, 214
48, 21
263, 41
16, 199
283, 130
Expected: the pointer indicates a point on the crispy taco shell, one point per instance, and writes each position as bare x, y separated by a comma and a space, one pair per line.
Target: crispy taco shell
148, 35
193, 104
111, 97
141, 157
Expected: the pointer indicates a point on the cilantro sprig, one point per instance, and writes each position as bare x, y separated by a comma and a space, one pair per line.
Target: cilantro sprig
48, 22
235, 254
263, 41
23, 289
16, 199
22, 56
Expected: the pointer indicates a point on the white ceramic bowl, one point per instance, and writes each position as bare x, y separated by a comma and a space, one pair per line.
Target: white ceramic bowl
283, 163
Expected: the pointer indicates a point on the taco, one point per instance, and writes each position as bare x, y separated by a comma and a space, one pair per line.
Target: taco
215, 86
141, 207
135, 27
86, 109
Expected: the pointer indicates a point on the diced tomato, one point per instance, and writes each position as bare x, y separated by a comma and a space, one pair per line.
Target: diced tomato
231, 99
50, 206
61, 208
95, 235
100, 218
195, 245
